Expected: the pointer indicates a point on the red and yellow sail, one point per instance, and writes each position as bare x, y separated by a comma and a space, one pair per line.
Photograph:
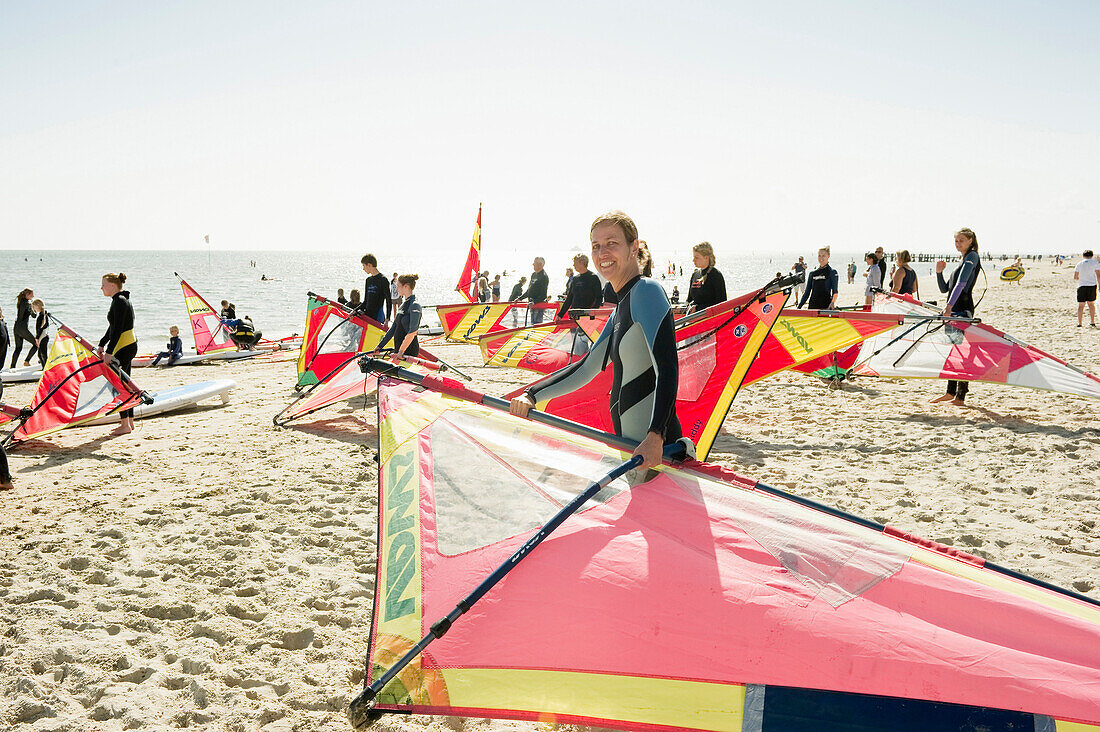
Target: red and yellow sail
466, 322
75, 387
696, 600
715, 349
467, 280
211, 336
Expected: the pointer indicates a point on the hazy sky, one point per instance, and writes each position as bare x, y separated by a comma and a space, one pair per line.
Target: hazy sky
764, 126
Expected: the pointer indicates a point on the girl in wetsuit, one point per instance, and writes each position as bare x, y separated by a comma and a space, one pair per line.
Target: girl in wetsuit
708, 286
905, 277
22, 330
960, 299
119, 343
822, 285
639, 341
41, 331
406, 321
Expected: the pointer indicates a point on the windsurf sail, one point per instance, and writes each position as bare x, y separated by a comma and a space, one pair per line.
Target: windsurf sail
344, 383
467, 280
698, 600
466, 322
540, 348
9, 413
75, 387
965, 350
334, 334
813, 340
715, 348
211, 336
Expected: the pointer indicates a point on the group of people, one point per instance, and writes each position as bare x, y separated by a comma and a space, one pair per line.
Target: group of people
32, 326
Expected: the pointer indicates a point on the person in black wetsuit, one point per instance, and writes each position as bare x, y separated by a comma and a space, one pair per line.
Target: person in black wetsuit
21, 329
537, 291
3, 340
639, 341
174, 348
584, 291
376, 291
41, 332
708, 286
822, 285
119, 343
406, 320
960, 299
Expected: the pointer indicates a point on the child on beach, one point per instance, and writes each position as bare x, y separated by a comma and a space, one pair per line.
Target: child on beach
1085, 276
173, 349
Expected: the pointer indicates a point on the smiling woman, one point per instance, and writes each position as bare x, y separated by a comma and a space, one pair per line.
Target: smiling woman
639, 341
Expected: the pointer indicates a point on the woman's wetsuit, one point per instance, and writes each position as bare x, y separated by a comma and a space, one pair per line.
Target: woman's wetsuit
908, 281
708, 287
406, 321
961, 301
640, 342
821, 285
41, 338
3, 342
22, 329
119, 340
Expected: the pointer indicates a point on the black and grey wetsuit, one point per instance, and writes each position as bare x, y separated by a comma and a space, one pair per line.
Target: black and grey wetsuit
119, 339
822, 284
406, 321
21, 329
961, 300
640, 342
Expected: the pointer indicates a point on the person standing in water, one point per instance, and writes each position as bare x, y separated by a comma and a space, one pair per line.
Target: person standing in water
119, 343
406, 321
708, 286
639, 341
960, 300
822, 285
21, 329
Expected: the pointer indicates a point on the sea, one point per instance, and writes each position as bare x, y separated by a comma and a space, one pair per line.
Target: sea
68, 281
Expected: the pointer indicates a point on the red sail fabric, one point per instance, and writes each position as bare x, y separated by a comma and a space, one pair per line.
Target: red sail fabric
467, 281
75, 387
467, 322
715, 348
333, 334
696, 600
540, 348
347, 382
211, 336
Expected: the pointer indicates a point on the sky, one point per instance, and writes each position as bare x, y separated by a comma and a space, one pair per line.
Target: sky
760, 127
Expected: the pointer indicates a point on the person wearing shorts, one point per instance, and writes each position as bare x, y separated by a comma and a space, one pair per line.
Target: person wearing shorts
1085, 276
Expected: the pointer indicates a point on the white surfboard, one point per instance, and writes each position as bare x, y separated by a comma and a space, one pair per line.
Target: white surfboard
177, 397
22, 374
146, 360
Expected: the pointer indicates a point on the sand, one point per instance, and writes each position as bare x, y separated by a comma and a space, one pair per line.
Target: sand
214, 571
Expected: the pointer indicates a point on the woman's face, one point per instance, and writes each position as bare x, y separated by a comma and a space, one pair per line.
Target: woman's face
404, 290
701, 261
107, 287
822, 258
962, 243
28, 295
614, 257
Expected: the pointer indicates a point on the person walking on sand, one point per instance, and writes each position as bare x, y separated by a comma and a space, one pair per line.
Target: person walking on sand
823, 284
639, 341
1084, 274
960, 300
119, 343
851, 272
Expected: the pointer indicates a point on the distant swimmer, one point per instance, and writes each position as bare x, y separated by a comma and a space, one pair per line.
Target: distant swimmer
263, 277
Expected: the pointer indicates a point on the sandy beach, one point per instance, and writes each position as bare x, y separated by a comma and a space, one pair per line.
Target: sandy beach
216, 572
